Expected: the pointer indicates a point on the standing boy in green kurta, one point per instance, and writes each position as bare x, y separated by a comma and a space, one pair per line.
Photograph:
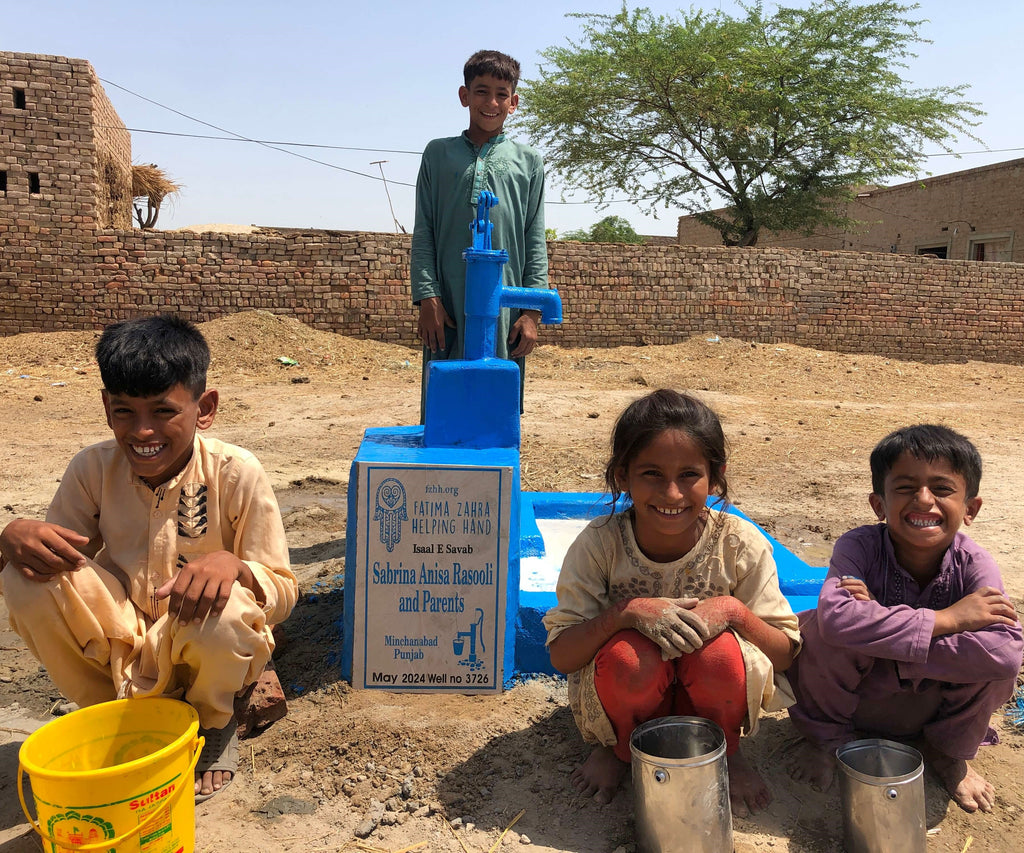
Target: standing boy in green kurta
453, 173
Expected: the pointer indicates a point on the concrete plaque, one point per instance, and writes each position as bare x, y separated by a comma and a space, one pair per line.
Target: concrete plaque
432, 577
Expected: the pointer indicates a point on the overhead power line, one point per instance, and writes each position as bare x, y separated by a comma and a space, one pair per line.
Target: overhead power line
257, 141
277, 146
244, 138
418, 153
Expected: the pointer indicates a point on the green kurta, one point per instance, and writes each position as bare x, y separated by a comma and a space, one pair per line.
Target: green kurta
452, 175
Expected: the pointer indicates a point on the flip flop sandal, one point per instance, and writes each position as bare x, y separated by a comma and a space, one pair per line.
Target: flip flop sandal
220, 752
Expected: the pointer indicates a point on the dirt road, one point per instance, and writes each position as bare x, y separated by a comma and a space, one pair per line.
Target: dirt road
800, 425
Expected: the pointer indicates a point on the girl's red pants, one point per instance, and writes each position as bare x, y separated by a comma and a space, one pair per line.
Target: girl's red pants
635, 685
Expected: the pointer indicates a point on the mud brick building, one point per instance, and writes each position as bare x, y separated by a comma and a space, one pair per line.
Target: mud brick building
974, 215
70, 259
65, 174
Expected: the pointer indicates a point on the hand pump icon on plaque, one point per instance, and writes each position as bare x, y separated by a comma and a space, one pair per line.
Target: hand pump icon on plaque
475, 635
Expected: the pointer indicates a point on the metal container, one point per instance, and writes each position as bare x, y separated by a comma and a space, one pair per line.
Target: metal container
681, 786
881, 785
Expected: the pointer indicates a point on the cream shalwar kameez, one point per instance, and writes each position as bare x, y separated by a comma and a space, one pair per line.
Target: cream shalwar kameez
605, 565
100, 631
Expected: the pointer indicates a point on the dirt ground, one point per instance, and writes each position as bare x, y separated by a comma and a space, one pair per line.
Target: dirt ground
450, 772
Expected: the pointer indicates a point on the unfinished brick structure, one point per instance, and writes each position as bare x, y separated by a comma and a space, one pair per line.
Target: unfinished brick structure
65, 156
974, 215
69, 259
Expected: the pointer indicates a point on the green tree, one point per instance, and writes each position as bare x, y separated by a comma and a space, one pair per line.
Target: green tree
780, 117
611, 229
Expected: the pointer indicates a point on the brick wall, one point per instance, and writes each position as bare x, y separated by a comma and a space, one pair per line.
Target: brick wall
69, 260
47, 129
52, 135
113, 146
356, 284
908, 307
963, 215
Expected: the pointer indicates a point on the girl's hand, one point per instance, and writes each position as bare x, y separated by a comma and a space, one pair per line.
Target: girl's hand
725, 612
856, 587
718, 613
982, 608
672, 623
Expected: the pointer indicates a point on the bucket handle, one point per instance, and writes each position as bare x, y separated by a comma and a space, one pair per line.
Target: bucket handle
110, 842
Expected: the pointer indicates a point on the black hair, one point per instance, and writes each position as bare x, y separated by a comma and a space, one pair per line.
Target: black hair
499, 65
645, 419
150, 355
927, 442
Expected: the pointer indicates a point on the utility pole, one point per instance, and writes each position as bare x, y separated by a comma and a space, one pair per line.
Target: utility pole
380, 165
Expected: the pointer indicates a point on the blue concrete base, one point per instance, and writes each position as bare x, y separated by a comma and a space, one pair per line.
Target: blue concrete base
472, 404
800, 583
405, 445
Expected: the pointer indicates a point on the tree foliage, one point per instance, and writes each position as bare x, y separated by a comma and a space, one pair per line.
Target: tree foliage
780, 117
611, 229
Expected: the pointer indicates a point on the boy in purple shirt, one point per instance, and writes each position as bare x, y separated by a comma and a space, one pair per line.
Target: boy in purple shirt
913, 634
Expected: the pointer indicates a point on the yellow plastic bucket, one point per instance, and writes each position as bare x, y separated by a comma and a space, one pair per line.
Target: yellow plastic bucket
117, 776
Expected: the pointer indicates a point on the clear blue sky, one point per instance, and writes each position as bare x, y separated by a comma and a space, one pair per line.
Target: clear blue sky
385, 75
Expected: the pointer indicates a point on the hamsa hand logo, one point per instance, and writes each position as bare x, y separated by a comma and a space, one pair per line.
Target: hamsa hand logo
389, 510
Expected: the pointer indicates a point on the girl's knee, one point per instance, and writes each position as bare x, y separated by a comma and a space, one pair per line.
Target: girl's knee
721, 654
631, 660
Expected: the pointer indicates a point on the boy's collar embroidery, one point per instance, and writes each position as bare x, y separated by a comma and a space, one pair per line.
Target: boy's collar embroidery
895, 593
494, 140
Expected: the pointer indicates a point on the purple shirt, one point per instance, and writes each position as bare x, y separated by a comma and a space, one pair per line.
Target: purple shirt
898, 624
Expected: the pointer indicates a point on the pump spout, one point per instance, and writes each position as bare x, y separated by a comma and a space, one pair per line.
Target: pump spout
485, 295
548, 302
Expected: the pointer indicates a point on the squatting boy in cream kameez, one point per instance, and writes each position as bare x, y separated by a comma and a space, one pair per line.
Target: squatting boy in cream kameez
162, 563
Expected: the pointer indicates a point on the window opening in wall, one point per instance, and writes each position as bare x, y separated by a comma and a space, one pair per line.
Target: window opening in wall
3, 182
991, 248
33, 183
19, 98
941, 251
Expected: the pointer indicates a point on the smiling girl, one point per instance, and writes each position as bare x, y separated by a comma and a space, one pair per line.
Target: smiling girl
671, 606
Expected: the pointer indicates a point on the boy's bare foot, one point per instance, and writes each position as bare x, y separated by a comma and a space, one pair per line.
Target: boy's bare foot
218, 762
211, 781
600, 775
813, 765
748, 793
969, 789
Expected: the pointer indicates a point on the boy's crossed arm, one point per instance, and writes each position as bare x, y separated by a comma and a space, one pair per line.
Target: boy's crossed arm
977, 638
980, 609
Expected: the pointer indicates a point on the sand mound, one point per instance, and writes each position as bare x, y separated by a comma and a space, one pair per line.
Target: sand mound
248, 343
256, 341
